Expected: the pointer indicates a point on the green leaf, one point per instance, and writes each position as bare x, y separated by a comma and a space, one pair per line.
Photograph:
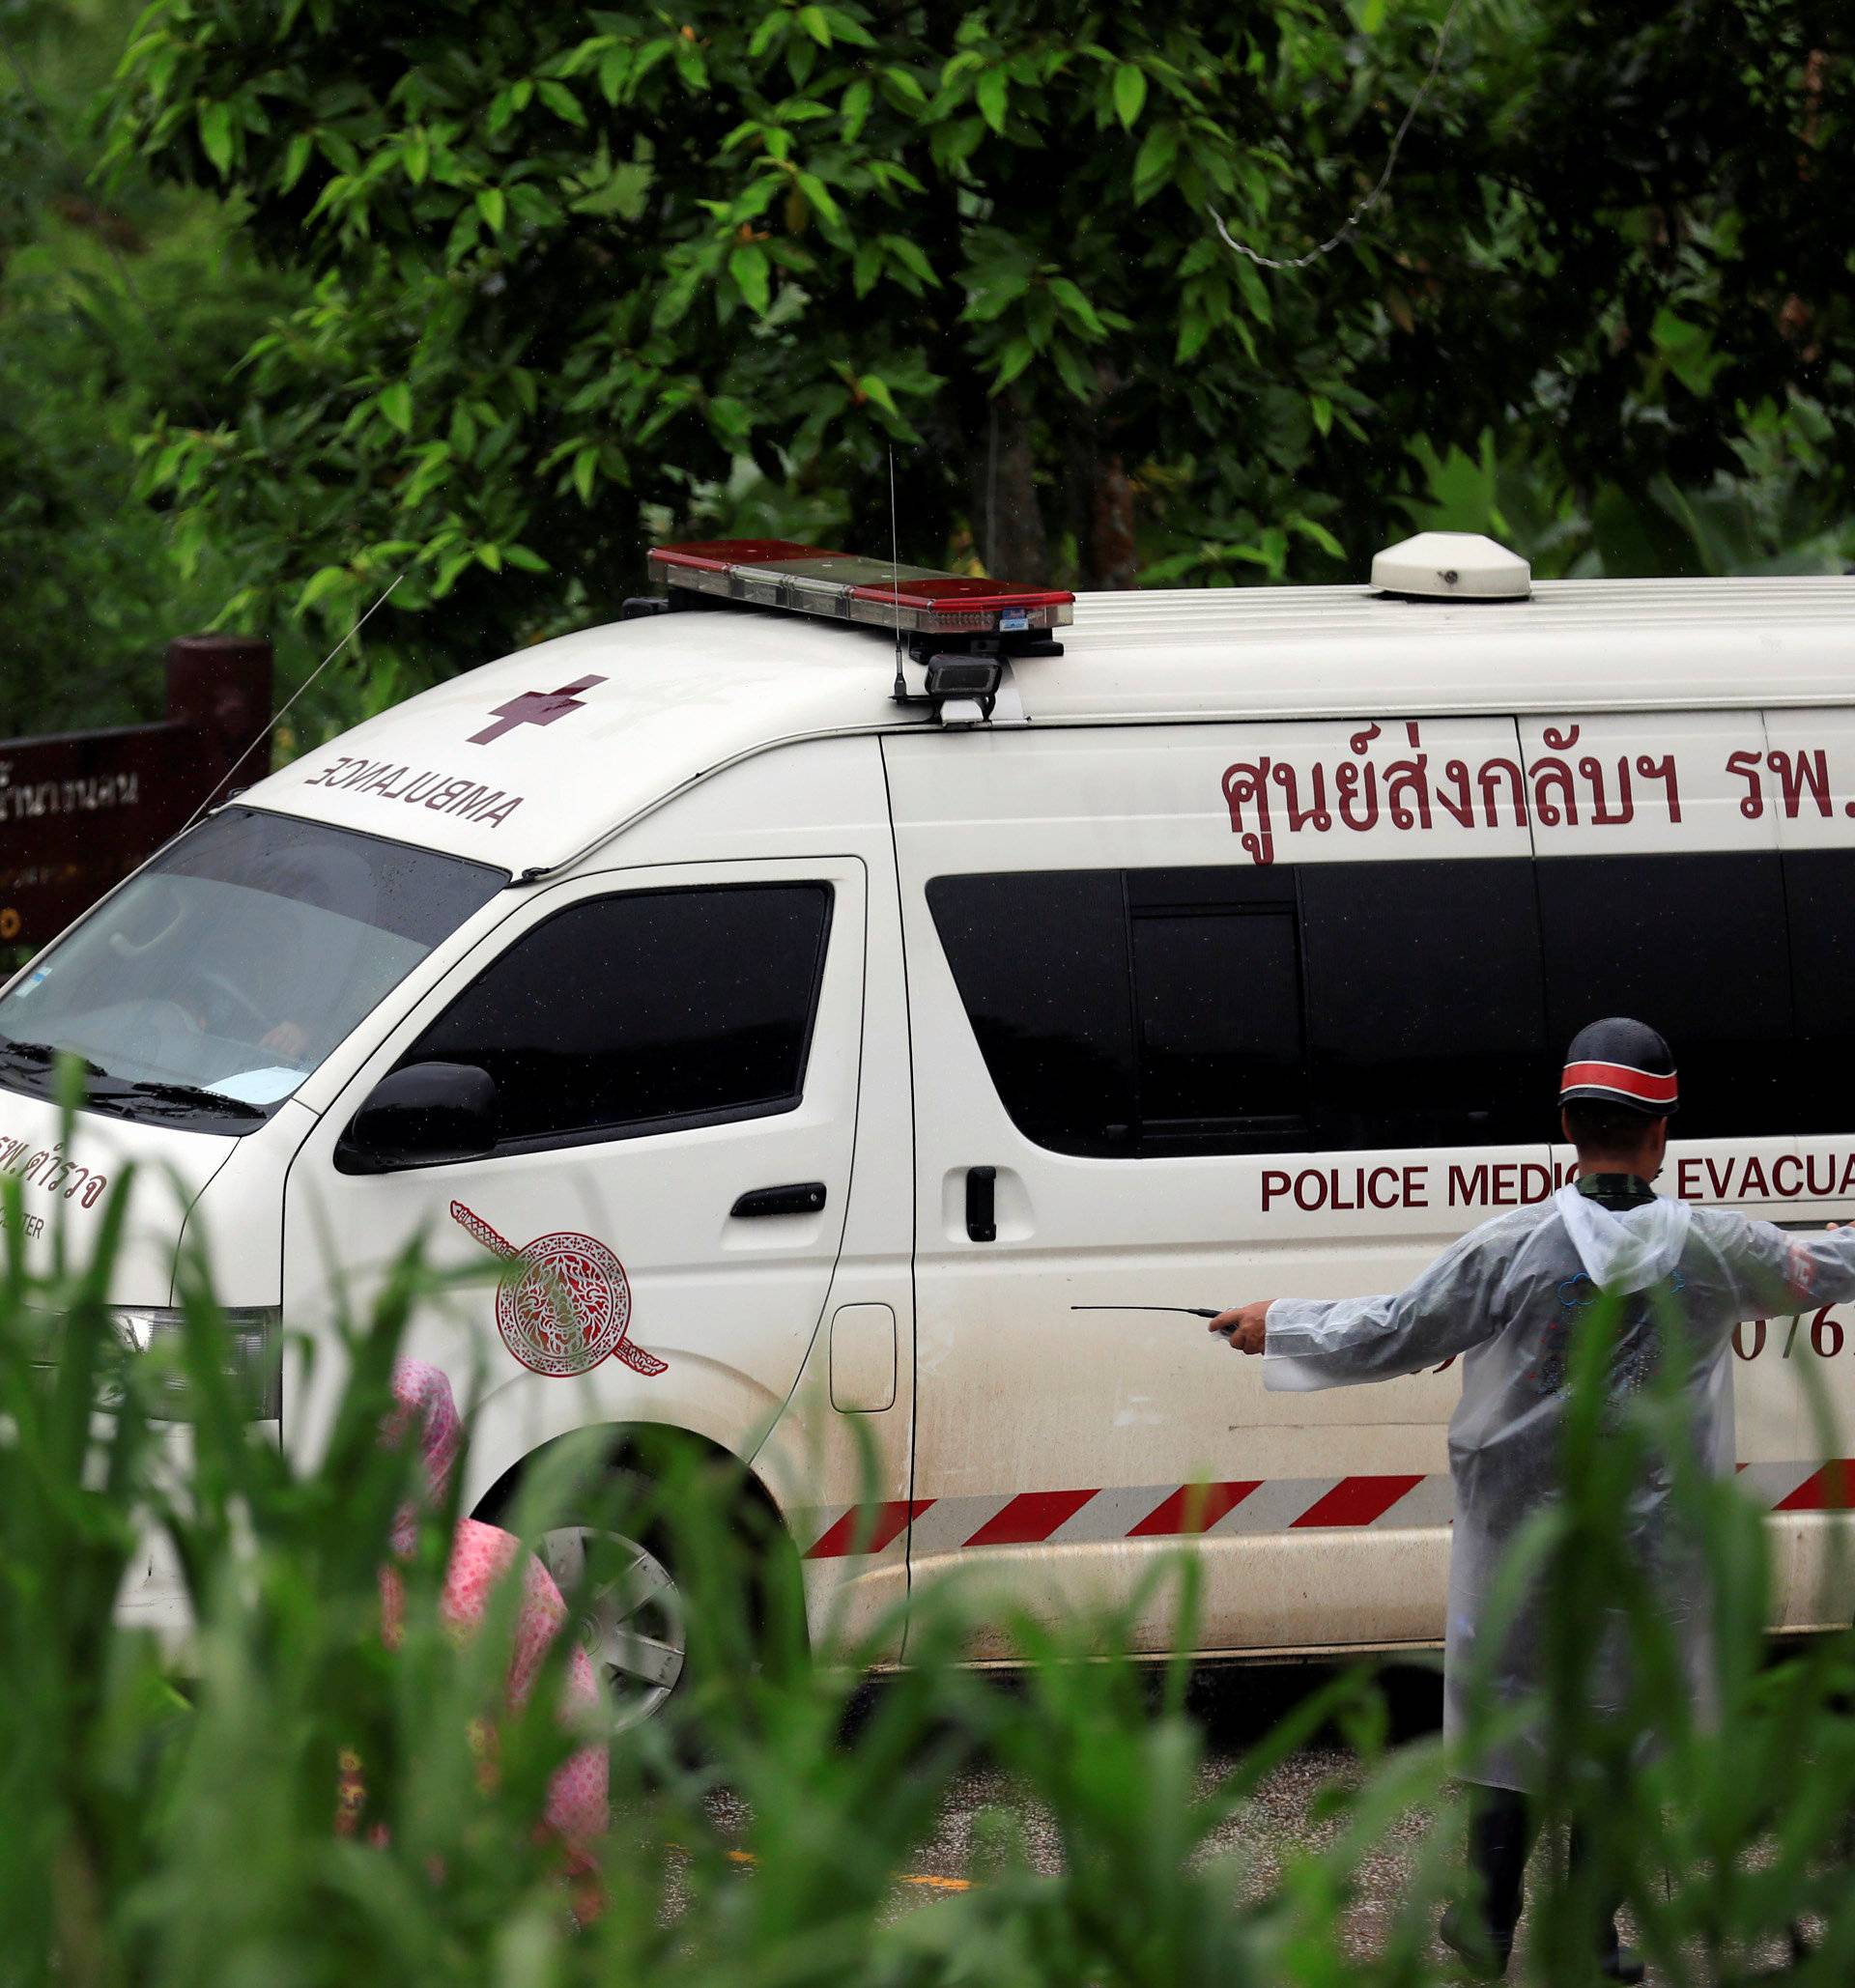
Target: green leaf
463, 236
1078, 306
846, 27
874, 388
1130, 94
215, 136
1011, 362
320, 585
586, 467
905, 84
1309, 529
614, 69
691, 65
294, 159
911, 258
811, 19
1075, 374
561, 102
989, 94
493, 209
749, 267
1153, 163
528, 562
855, 107
396, 404
820, 196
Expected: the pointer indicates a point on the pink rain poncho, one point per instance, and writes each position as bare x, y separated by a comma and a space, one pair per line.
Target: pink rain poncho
481, 1556
1507, 1298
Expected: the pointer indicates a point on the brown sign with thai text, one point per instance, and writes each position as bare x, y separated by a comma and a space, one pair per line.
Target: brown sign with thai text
79, 810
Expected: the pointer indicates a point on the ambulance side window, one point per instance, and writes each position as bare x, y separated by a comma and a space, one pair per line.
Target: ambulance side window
1819, 892
1040, 961
1220, 1040
1696, 943
1426, 1013
645, 1012
1129, 1014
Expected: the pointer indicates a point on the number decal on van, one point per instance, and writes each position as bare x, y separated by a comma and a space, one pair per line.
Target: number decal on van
563, 1303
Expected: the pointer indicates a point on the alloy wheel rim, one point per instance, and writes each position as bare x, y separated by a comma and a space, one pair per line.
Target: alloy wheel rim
632, 1623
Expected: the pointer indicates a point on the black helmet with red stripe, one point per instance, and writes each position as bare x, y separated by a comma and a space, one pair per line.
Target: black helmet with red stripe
1619, 1062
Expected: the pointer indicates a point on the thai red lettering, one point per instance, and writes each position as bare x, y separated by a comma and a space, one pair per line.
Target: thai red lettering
1799, 774
1686, 1179
1416, 1187
1796, 1166
1275, 1183
1752, 1186
1466, 1188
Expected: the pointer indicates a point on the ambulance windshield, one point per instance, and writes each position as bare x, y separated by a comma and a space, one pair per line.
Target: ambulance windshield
209, 987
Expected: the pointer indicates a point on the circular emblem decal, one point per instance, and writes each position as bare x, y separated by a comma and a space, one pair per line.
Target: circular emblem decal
563, 1303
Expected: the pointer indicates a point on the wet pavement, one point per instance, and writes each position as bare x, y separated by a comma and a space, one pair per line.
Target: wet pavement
1235, 1707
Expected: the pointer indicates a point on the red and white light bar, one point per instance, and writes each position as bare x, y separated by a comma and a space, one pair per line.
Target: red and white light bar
776, 573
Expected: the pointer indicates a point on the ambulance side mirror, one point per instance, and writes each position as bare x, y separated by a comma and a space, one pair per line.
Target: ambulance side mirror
420, 1116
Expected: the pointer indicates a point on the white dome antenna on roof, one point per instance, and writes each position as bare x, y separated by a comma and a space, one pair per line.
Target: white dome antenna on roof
1452, 566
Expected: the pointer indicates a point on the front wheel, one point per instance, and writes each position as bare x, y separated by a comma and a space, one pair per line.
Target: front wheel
631, 1620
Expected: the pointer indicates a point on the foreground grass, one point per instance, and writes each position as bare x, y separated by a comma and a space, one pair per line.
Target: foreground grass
176, 1827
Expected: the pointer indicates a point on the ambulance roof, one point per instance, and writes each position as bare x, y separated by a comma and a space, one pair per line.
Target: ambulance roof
529, 761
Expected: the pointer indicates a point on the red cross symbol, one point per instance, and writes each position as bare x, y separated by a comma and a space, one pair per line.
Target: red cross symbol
534, 707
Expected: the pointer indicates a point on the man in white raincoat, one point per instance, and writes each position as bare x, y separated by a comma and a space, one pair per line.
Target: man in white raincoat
1507, 1298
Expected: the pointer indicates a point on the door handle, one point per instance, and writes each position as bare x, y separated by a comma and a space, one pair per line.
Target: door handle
798, 1198
982, 1203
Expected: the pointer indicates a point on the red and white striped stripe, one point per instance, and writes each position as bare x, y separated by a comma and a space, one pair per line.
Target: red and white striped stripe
1391, 1503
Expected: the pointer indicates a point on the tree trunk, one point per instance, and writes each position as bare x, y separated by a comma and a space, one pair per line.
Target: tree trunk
1110, 560
1008, 515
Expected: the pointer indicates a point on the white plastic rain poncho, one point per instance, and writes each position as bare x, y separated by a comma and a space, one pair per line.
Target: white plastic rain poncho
1506, 1298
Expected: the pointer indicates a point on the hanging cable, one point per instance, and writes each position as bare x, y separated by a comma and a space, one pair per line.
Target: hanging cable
1359, 214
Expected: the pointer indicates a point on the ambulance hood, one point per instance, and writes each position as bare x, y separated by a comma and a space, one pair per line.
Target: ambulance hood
526, 763
70, 1180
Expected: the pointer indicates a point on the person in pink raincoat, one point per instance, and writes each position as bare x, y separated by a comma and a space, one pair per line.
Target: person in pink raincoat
481, 1556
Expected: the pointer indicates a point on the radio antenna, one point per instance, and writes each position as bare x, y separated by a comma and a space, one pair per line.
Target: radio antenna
895, 573
276, 718
1189, 1311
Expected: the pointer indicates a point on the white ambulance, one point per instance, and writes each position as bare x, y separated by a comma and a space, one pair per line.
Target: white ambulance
847, 982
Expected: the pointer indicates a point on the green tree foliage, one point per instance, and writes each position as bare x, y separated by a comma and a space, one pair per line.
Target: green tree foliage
112, 311
583, 274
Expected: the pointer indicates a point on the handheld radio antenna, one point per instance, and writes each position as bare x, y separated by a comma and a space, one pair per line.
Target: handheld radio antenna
1185, 1311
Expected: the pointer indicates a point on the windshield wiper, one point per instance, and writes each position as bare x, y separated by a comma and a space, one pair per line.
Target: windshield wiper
40, 1056
192, 1097
111, 1093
